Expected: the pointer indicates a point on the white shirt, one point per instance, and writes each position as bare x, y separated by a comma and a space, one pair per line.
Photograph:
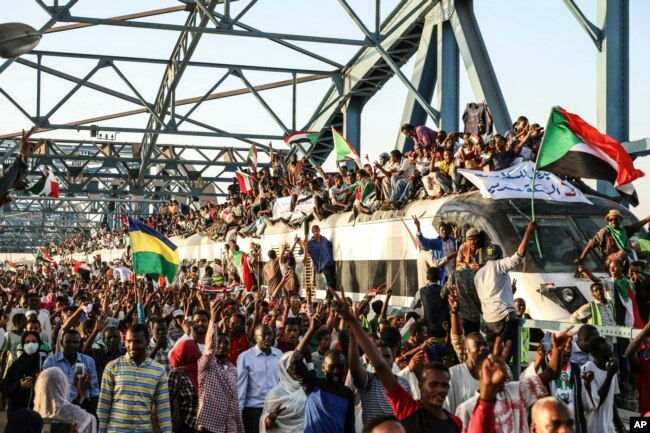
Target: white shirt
406, 167
494, 287
462, 386
599, 419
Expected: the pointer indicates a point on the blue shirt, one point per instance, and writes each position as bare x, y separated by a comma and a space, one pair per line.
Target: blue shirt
257, 375
58, 360
436, 247
321, 253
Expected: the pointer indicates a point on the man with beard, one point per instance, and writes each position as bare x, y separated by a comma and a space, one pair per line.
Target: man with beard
218, 409
199, 325
330, 404
417, 417
257, 374
124, 407
67, 362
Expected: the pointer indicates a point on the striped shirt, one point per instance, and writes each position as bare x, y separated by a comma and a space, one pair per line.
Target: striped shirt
128, 394
374, 401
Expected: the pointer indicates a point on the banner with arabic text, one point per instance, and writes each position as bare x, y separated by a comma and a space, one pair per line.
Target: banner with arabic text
516, 182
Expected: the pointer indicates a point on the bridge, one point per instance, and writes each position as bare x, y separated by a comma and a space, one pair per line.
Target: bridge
144, 137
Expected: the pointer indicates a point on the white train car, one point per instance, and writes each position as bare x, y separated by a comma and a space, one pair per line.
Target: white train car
374, 249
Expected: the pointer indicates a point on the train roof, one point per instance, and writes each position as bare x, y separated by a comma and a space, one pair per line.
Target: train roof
474, 203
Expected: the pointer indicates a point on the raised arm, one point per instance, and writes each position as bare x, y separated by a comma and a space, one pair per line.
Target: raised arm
634, 346
382, 369
530, 229
561, 343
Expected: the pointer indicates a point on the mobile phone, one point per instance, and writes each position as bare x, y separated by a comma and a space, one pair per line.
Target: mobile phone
79, 369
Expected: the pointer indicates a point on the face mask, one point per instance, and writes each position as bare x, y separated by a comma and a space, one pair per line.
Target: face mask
30, 348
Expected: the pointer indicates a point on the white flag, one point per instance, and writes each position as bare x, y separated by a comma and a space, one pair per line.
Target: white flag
516, 182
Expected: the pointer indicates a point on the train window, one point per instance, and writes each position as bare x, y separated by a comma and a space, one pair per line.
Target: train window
560, 243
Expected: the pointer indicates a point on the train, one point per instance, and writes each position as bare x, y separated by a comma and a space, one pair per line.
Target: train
379, 248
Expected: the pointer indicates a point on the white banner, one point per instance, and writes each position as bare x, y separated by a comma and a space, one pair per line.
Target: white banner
282, 209
516, 182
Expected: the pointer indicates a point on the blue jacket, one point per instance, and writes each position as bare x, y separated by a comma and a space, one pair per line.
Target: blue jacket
435, 246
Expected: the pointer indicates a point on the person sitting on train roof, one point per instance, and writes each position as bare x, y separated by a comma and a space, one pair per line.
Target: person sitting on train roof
399, 168
503, 156
614, 238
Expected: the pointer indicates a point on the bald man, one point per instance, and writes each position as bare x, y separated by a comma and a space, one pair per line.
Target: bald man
384, 424
551, 415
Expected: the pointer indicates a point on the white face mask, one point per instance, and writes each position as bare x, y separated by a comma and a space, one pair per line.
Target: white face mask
30, 348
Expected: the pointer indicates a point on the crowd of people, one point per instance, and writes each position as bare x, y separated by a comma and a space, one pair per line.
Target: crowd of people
429, 171
104, 351
110, 353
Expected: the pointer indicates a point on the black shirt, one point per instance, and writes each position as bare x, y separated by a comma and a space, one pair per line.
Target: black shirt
421, 421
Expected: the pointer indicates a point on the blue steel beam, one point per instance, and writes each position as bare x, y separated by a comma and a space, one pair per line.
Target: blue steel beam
613, 79
215, 31
424, 79
368, 71
191, 63
181, 54
448, 95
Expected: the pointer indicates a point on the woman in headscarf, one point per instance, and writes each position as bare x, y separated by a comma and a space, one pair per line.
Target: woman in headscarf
184, 384
18, 383
284, 407
24, 421
51, 401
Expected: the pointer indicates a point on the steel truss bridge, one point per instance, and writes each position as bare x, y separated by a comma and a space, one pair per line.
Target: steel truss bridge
176, 153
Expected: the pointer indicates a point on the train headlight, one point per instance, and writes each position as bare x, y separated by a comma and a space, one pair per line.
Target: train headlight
568, 295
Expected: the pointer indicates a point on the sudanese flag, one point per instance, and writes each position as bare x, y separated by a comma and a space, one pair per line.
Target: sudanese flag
572, 147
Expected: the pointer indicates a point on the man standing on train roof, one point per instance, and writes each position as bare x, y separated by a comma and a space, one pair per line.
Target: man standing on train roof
420, 134
614, 238
321, 251
439, 252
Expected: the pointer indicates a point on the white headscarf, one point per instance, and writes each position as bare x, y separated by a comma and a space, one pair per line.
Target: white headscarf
291, 396
51, 401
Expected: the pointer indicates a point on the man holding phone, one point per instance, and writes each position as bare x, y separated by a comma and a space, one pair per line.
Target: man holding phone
78, 368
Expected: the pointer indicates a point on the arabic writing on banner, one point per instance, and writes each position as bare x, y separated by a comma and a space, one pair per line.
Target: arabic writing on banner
516, 182
282, 209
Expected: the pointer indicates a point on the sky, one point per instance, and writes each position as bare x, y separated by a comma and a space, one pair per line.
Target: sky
541, 57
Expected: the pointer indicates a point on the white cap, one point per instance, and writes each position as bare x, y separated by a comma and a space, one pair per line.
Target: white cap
178, 313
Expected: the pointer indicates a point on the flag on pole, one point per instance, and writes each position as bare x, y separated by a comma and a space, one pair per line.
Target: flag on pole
43, 256
46, 186
302, 137
82, 269
344, 150
244, 182
252, 157
153, 253
9, 267
241, 262
574, 148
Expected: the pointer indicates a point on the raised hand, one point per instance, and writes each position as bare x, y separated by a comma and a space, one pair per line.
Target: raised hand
416, 221
564, 339
494, 371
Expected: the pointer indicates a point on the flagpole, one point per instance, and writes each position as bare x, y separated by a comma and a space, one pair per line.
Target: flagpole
532, 194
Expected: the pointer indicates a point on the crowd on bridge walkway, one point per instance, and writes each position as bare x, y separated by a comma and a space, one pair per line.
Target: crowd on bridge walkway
103, 350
